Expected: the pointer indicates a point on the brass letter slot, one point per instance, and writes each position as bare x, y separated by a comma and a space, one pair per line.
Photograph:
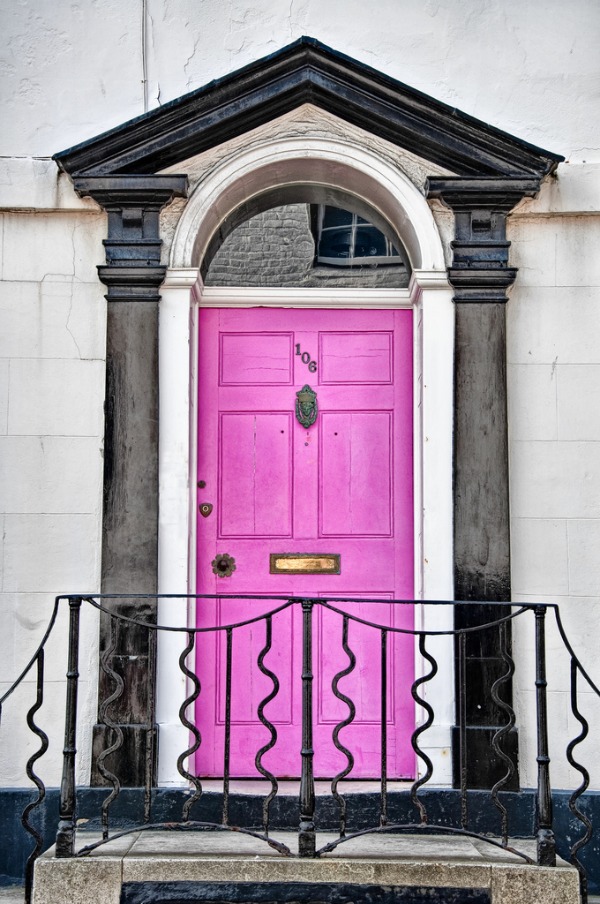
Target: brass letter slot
304, 563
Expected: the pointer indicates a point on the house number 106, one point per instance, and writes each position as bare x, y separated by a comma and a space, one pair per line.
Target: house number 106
305, 358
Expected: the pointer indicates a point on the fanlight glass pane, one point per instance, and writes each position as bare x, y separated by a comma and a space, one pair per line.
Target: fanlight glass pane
335, 216
345, 239
370, 242
336, 243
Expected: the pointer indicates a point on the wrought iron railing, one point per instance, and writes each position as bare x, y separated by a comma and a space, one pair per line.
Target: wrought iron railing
192, 816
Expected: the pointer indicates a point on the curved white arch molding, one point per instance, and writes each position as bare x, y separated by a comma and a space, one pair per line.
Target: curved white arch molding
329, 162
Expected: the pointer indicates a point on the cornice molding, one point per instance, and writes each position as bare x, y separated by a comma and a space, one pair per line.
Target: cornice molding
479, 272
133, 271
307, 72
131, 191
499, 193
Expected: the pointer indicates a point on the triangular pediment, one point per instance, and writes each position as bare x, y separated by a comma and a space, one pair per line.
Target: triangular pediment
307, 72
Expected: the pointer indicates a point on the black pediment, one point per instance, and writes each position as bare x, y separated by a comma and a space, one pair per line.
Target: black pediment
307, 72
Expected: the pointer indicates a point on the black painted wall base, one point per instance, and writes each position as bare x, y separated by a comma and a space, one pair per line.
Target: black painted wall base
443, 806
294, 893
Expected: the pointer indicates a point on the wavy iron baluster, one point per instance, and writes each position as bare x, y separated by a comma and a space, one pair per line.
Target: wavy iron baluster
421, 728
31, 775
117, 732
347, 721
585, 838
191, 727
502, 732
268, 725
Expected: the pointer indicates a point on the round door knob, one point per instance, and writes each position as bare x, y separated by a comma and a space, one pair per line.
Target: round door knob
223, 565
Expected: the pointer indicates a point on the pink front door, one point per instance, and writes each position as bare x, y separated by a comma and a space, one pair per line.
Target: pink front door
341, 486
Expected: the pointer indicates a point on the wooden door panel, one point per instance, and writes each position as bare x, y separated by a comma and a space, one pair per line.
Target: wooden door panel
355, 478
363, 684
255, 497
255, 359
344, 486
356, 357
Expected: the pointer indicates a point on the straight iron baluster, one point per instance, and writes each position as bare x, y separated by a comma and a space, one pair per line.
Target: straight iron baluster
65, 836
307, 837
227, 751
546, 845
383, 815
462, 730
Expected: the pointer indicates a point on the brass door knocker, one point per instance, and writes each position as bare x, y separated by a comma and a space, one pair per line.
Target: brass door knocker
306, 406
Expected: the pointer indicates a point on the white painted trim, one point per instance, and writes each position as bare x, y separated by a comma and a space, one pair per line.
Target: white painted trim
433, 448
175, 509
431, 297
223, 297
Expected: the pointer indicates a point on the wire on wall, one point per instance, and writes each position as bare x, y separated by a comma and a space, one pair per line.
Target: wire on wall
144, 59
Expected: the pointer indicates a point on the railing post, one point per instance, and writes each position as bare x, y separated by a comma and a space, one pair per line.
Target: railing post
65, 836
306, 835
546, 845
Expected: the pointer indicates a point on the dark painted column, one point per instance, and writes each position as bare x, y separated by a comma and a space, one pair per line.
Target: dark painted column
480, 276
133, 274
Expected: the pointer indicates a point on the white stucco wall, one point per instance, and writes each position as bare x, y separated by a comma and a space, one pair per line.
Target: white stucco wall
553, 325
74, 68
52, 341
70, 70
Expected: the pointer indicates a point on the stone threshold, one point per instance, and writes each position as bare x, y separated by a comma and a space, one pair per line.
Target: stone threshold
232, 857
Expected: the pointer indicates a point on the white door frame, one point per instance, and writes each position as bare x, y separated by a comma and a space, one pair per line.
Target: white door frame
430, 297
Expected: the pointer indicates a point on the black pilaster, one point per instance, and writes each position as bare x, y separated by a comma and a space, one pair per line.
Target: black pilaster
132, 273
480, 275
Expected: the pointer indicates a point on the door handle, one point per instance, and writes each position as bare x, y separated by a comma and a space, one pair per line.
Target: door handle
223, 565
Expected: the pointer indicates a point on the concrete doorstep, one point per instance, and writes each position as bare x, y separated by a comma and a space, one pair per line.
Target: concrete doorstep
209, 860
12, 894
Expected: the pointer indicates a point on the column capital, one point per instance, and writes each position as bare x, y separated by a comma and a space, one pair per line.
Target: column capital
133, 271
480, 271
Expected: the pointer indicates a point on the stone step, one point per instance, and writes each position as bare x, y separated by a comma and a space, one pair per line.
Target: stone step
221, 866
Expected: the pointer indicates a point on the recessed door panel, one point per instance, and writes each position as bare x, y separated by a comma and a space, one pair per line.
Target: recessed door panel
255, 489
355, 474
369, 355
255, 359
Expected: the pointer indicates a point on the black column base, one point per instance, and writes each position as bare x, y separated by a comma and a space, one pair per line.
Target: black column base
134, 763
484, 766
